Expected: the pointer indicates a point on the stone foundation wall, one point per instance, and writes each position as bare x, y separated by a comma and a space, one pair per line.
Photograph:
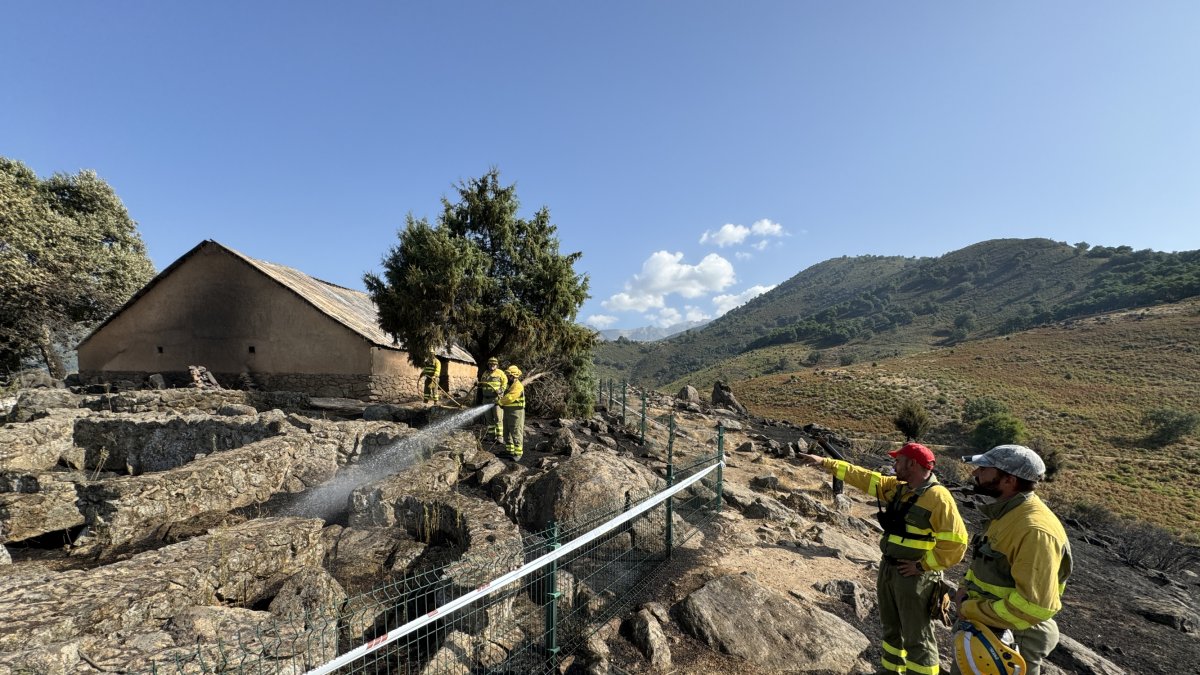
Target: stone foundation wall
193, 400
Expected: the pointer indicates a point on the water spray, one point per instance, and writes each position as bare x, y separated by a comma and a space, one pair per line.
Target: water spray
330, 497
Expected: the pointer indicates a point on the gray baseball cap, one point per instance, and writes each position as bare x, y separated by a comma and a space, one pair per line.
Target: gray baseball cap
1017, 460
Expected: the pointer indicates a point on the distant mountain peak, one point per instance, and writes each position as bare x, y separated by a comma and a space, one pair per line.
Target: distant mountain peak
650, 333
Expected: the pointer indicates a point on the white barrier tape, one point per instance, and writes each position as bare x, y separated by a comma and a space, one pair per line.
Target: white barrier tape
500, 582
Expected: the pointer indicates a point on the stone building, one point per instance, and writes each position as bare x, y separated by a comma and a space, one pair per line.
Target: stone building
235, 315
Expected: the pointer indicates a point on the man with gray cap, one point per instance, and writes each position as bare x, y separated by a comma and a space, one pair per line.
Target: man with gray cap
1020, 564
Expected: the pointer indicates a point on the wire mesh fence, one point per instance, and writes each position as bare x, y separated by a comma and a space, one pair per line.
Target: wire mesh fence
516, 608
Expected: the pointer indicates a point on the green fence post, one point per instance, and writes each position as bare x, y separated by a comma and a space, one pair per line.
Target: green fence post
552, 596
610, 393
624, 388
671, 482
643, 441
720, 462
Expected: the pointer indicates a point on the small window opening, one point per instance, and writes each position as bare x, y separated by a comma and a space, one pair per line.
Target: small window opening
251, 349
160, 350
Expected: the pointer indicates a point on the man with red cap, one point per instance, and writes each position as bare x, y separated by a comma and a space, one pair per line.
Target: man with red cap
923, 534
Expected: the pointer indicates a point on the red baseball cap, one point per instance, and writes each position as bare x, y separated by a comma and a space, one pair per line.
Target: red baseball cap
917, 453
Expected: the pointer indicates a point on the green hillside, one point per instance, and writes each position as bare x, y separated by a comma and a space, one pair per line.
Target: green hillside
866, 308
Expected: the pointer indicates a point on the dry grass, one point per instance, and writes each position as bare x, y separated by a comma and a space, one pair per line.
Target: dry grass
1081, 388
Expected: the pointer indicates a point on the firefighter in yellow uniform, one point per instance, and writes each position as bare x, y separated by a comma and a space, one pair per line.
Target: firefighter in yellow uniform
431, 372
493, 383
513, 403
923, 535
1020, 564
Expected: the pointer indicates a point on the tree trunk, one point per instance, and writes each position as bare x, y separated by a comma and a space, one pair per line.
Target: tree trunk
50, 355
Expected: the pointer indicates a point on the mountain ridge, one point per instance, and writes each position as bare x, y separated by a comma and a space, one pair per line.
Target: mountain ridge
870, 307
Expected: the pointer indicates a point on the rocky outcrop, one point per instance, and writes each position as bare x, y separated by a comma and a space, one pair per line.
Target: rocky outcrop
40, 444
32, 404
1071, 655
1168, 612
852, 593
722, 397
646, 633
736, 615
37, 505
243, 565
147, 442
130, 511
362, 557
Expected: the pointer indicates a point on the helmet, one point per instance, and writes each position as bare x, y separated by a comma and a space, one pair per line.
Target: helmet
493, 361
977, 651
513, 370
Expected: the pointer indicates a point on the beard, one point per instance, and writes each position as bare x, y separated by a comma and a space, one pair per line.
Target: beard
988, 489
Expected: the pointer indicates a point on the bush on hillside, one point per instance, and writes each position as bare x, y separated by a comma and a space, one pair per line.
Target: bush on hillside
998, 429
913, 421
975, 409
1167, 425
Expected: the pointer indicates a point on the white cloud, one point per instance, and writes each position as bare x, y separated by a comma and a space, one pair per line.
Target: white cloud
695, 314
663, 273
600, 321
728, 235
724, 303
667, 316
766, 228
742, 255
760, 246
632, 302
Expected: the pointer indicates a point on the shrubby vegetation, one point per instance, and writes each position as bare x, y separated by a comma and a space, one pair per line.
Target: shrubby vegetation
913, 421
975, 409
998, 429
1165, 426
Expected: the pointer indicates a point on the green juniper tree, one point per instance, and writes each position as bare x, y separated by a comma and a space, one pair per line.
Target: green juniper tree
484, 278
913, 421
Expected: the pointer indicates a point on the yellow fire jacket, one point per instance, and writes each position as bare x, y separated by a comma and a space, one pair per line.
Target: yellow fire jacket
1019, 566
494, 383
934, 530
514, 397
432, 370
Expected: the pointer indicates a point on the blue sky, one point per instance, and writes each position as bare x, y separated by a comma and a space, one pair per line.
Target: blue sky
697, 153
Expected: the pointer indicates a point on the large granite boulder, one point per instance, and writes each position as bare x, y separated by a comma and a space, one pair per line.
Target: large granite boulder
362, 557
43, 504
132, 511
32, 404
736, 615
242, 565
40, 444
722, 397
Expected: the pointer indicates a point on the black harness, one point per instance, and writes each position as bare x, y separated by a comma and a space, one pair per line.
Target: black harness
893, 518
